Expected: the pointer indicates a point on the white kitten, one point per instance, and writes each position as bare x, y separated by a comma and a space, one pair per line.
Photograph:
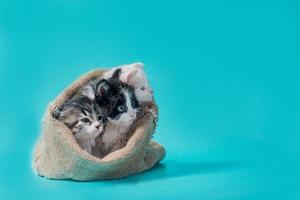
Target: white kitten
134, 75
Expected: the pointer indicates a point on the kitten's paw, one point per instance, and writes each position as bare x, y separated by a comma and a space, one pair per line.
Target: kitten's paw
56, 112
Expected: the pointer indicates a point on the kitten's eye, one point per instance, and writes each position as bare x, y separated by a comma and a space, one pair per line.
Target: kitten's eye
85, 120
134, 104
121, 108
143, 88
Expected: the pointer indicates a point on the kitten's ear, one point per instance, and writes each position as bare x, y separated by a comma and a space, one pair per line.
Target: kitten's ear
130, 76
139, 65
103, 88
89, 92
116, 74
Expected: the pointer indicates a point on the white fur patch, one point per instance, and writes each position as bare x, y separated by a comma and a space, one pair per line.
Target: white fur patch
89, 92
86, 137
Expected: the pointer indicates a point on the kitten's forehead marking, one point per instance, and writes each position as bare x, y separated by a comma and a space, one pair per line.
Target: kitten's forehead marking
85, 112
127, 95
91, 111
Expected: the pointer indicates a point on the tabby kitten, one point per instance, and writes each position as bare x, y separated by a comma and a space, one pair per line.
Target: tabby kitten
86, 120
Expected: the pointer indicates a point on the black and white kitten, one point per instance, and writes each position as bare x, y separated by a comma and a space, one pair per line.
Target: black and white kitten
119, 100
86, 120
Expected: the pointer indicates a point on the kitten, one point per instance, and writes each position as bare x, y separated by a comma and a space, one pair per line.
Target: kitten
119, 99
134, 75
86, 120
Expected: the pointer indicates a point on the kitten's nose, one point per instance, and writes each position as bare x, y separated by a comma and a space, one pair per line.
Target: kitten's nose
98, 126
150, 90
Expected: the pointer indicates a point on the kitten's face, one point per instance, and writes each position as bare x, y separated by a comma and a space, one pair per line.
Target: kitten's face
83, 117
124, 108
143, 93
134, 75
119, 99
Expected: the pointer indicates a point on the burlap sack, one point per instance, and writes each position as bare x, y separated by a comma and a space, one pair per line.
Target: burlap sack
58, 156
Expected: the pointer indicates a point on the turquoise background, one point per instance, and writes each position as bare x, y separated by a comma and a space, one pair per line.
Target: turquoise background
225, 75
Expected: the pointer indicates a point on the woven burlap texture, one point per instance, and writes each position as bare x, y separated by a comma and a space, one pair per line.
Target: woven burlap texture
58, 156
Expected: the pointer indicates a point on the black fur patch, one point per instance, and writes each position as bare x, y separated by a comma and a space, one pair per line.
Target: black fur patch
109, 94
